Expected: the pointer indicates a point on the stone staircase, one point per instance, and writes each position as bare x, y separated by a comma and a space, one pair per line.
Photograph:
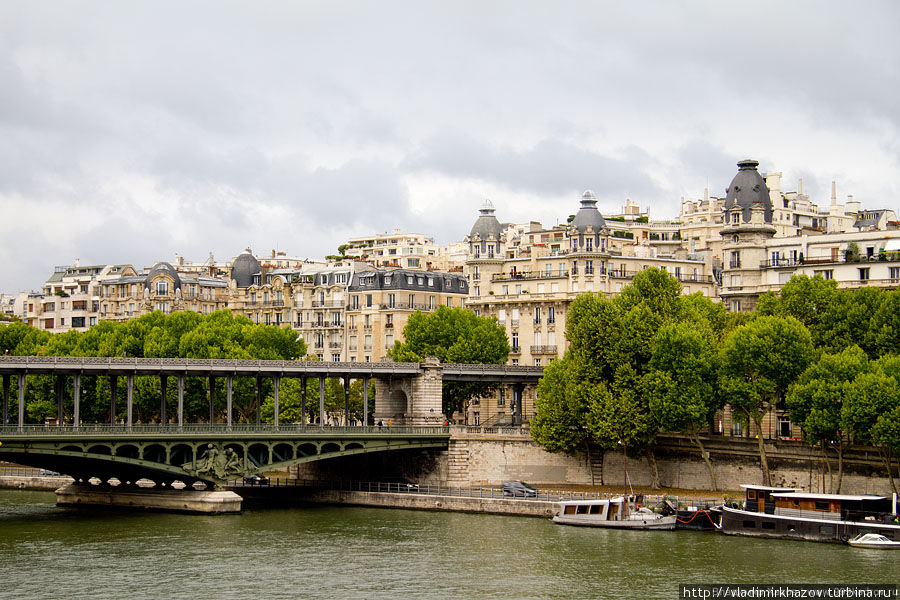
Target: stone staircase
595, 460
458, 463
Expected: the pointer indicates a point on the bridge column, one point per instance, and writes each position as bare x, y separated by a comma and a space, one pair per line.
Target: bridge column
21, 401
229, 382
76, 400
276, 383
113, 387
163, 388
425, 403
346, 400
6, 398
321, 401
365, 401
60, 398
258, 392
129, 397
303, 400
517, 390
180, 400
212, 400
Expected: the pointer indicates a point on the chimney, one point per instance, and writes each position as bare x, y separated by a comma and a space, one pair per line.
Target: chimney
833, 191
800, 187
77, 262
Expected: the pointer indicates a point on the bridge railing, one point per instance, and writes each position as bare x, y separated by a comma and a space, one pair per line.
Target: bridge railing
199, 429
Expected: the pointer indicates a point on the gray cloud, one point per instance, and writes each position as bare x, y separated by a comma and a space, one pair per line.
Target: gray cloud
132, 131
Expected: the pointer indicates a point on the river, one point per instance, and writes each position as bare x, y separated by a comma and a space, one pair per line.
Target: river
349, 552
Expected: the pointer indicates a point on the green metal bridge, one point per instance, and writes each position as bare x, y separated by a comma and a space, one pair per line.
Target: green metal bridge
212, 454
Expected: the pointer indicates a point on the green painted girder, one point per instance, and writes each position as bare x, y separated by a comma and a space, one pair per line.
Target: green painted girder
199, 453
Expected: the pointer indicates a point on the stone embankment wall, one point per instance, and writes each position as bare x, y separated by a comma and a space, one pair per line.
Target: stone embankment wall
484, 459
27, 482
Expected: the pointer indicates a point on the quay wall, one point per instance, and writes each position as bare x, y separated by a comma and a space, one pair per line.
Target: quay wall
494, 506
28, 482
488, 458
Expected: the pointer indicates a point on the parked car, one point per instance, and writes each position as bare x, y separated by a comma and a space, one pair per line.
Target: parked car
256, 480
518, 489
48, 473
401, 484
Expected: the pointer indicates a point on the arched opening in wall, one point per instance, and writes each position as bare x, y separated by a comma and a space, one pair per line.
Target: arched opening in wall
258, 454
128, 451
105, 450
330, 447
181, 454
307, 450
72, 449
282, 452
155, 453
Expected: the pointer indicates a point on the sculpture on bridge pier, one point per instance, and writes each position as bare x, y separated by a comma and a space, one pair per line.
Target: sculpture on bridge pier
219, 465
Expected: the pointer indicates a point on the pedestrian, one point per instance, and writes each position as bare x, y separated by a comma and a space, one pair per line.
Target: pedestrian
380, 424
390, 422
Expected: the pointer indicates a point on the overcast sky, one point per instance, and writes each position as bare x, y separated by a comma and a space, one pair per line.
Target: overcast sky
134, 131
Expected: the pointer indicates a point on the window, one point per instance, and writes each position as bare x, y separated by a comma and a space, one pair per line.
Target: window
589, 245
501, 401
354, 302
515, 342
537, 314
391, 300
515, 361
476, 273
735, 260
735, 217
737, 429
92, 320
477, 290
162, 288
588, 267
784, 427
826, 273
412, 300
895, 272
537, 362
501, 315
335, 358
368, 300
551, 315
389, 320
735, 306
864, 274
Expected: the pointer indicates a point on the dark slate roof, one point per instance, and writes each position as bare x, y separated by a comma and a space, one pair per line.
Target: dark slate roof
868, 219
487, 224
409, 279
164, 267
588, 215
747, 189
244, 267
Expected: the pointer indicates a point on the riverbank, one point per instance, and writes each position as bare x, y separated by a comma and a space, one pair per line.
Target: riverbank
34, 482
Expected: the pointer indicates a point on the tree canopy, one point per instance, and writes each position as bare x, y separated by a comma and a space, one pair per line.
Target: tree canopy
453, 335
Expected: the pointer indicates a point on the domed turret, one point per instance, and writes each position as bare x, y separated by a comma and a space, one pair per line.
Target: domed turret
748, 189
588, 215
487, 224
244, 267
168, 269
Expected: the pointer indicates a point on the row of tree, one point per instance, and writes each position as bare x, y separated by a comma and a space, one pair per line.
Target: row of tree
178, 335
652, 359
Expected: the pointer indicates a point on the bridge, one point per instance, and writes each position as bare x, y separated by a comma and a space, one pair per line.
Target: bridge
407, 395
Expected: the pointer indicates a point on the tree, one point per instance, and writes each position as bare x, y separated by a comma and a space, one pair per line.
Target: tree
871, 411
806, 299
681, 382
816, 399
563, 399
453, 335
758, 362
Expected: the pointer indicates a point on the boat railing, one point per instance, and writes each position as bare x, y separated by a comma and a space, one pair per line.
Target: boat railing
798, 513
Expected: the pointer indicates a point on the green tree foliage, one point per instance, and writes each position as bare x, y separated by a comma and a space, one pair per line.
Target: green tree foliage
758, 362
156, 335
681, 382
816, 400
564, 397
453, 335
871, 410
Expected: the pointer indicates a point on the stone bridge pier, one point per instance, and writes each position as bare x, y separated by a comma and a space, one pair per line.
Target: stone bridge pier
411, 400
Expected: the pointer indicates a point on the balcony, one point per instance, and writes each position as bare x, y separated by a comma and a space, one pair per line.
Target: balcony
335, 345
525, 275
543, 349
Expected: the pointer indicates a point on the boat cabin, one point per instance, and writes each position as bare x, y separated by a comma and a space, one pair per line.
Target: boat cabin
610, 509
834, 506
759, 498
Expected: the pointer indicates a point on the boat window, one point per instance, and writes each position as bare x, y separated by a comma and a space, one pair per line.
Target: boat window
749, 524
821, 504
751, 494
796, 502
569, 510
826, 529
582, 509
767, 525
596, 509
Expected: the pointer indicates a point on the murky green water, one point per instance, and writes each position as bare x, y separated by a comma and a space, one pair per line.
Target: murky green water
338, 552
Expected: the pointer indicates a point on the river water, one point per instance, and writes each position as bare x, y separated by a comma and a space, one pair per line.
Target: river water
348, 552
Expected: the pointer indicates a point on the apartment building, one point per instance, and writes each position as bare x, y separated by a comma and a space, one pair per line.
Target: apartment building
382, 300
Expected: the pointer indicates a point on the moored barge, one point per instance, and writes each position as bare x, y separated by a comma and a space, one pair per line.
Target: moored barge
794, 514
